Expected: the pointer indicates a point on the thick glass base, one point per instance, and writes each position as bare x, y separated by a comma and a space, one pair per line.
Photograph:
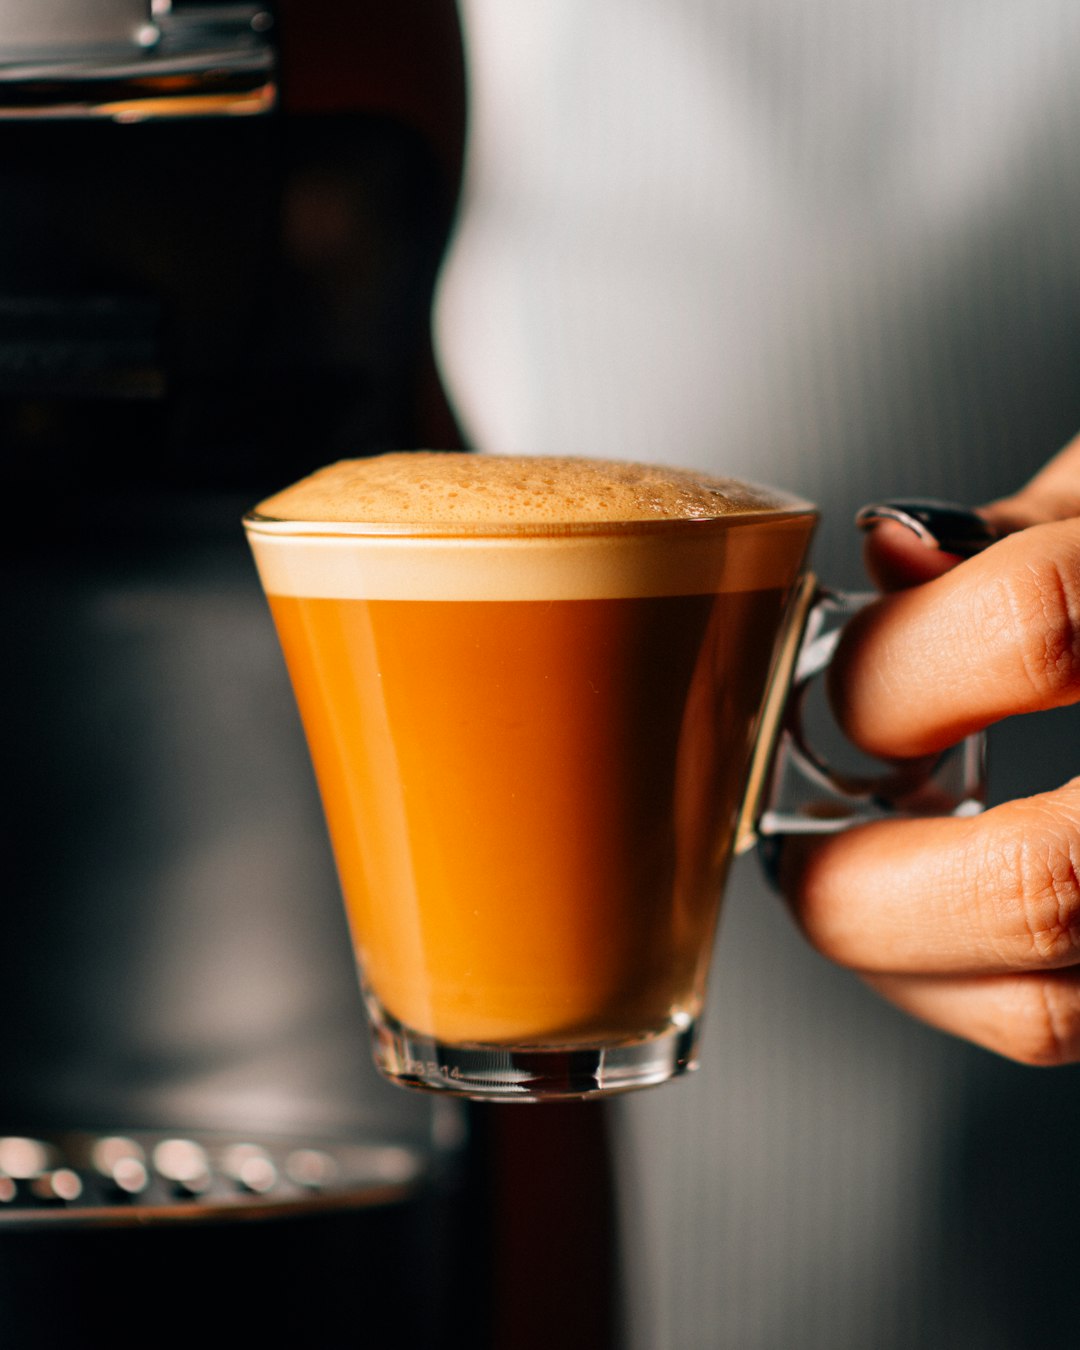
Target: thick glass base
529, 1073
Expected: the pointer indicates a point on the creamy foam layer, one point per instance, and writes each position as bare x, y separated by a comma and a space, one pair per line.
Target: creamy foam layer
425, 526
690, 558
440, 492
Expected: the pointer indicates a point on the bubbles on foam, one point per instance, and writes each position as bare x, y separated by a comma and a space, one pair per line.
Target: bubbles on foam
447, 490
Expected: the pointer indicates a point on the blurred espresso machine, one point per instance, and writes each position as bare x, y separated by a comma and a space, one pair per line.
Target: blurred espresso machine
219, 228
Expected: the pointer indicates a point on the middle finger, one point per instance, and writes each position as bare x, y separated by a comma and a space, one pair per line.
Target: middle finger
994, 893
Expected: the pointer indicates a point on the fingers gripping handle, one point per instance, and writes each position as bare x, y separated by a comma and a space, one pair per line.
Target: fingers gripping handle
792, 787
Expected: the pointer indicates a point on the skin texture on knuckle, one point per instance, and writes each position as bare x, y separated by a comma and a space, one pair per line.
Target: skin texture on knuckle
1038, 1024
1030, 865
1042, 607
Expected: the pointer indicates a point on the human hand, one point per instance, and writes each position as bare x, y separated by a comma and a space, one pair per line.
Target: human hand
972, 925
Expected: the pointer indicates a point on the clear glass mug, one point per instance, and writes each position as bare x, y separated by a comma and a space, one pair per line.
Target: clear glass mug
538, 752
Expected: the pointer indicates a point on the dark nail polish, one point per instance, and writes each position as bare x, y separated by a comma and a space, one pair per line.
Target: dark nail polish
944, 525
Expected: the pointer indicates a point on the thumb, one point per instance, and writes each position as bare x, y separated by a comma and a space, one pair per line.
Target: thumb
897, 557
1053, 494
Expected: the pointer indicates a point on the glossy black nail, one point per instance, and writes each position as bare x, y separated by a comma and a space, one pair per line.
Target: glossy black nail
943, 525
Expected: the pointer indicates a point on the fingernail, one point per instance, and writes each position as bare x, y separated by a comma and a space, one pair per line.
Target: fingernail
943, 525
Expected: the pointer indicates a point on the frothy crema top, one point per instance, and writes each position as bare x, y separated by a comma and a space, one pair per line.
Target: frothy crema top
482, 527
441, 492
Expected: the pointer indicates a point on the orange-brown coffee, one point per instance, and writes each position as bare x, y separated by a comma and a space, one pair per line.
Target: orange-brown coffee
531, 707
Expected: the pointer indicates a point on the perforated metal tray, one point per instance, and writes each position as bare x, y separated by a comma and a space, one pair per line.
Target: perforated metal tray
147, 1178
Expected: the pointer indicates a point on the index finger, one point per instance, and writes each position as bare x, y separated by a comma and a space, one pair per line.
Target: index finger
996, 636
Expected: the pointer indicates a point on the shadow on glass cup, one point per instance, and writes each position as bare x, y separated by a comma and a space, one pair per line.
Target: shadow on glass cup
539, 744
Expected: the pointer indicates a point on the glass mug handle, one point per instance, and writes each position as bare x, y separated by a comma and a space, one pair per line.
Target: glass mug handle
792, 788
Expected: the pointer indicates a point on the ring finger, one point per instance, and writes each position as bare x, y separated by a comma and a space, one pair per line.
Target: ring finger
1028, 1017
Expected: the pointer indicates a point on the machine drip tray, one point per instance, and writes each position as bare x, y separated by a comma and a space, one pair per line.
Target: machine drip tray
142, 1178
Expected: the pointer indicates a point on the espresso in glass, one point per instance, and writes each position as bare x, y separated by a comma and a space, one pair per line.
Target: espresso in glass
531, 689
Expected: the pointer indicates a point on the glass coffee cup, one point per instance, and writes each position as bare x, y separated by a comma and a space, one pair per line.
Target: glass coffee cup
541, 698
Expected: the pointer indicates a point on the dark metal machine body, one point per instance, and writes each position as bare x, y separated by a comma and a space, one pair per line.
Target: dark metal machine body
204, 292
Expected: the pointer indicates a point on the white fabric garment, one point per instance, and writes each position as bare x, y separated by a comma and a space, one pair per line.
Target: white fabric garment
835, 247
